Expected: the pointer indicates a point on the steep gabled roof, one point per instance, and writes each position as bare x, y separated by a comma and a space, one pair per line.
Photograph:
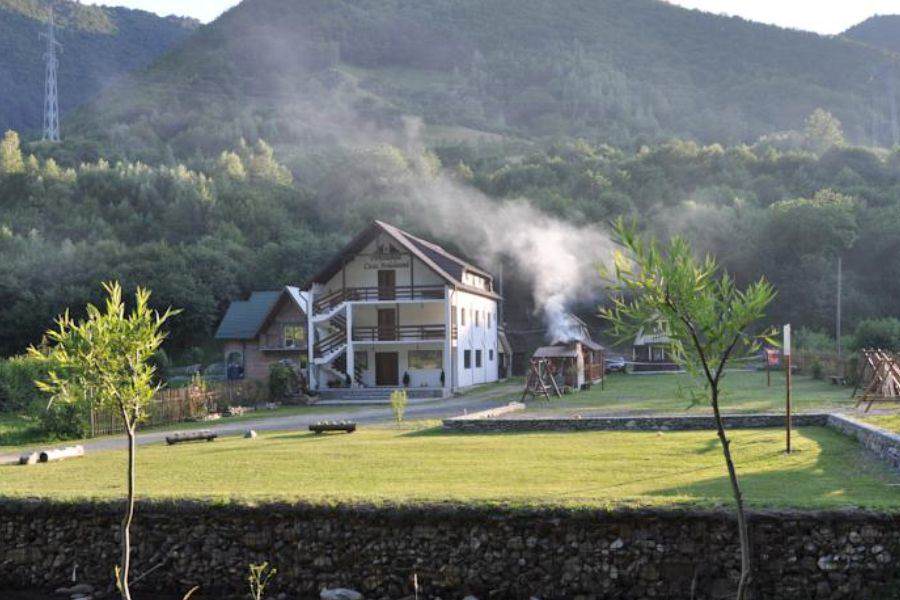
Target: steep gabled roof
245, 318
451, 268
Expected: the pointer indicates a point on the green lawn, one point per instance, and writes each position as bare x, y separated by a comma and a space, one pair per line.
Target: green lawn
415, 463
891, 422
744, 392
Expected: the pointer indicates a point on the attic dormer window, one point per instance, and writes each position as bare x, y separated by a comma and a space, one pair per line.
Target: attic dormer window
476, 281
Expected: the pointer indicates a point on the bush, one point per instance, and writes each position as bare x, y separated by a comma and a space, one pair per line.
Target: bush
878, 333
816, 370
284, 382
63, 421
18, 393
399, 401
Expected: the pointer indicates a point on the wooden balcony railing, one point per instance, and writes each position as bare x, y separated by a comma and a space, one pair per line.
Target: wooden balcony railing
373, 294
399, 333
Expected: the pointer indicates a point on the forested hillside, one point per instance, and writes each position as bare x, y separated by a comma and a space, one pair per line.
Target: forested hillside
621, 71
881, 31
99, 44
245, 157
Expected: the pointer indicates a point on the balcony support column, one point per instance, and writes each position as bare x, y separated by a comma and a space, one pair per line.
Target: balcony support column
448, 346
351, 368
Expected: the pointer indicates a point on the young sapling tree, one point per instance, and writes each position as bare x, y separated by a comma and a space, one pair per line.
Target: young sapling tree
105, 362
704, 314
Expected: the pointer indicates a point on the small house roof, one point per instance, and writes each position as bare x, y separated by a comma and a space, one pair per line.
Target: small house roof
654, 337
244, 318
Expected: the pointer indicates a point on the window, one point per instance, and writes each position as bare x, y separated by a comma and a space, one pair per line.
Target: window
467, 359
491, 355
462, 317
477, 318
489, 320
294, 336
361, 360
425, 359
478, 359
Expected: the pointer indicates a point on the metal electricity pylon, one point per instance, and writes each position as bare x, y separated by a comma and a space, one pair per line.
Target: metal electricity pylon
51, 98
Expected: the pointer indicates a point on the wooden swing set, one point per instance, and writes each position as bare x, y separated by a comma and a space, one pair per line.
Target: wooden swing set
878, 378
541, 380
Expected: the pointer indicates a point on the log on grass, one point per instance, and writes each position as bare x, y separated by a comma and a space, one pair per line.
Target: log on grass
60, 453
31, 458
322, 427
203, 435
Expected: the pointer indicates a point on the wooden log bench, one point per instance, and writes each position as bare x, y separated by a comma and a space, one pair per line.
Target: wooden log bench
204, 435
322, 427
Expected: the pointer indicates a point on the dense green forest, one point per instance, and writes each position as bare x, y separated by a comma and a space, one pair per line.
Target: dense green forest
245, 157
99, 44
625, 72
203, 235
881, 31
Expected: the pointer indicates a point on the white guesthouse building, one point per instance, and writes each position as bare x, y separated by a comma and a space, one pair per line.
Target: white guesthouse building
392, 309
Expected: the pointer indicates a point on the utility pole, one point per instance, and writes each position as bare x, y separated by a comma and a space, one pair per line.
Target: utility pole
51, 99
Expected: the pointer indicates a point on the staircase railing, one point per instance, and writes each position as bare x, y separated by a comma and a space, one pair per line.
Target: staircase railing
369, 294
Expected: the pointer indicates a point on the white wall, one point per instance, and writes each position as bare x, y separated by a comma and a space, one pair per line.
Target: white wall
362, 270
430, 377
474, 337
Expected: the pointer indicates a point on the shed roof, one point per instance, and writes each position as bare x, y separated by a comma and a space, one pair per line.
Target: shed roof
556, 352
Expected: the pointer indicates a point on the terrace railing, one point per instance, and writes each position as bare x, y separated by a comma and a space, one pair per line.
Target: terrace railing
374, 294
400, 333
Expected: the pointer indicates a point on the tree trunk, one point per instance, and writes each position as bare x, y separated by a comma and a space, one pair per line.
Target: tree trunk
125, 565
743, 530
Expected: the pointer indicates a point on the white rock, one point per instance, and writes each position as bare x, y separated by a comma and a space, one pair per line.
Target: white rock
251, 434
340, 594
616, 544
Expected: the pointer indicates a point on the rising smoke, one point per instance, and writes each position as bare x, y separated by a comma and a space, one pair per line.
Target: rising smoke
558, 259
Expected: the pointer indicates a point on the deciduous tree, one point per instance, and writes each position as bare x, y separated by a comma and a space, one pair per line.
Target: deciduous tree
707, 318
105, 361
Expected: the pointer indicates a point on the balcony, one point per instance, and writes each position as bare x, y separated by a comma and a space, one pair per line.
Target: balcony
401, 333
378, 294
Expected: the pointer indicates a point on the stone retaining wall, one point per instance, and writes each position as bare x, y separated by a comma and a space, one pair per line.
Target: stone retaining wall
488, 552
664, 423
882, 443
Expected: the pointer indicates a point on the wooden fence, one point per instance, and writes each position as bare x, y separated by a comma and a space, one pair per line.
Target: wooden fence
178, 405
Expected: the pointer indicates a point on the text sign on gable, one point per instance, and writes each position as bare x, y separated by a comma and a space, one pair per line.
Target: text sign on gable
386, 263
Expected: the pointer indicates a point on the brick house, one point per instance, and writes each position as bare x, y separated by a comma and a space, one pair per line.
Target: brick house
266, 328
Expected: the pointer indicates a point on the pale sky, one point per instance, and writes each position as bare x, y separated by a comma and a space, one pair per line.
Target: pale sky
822, 16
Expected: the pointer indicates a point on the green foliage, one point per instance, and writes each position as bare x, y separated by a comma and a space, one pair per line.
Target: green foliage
18, 391
823, 131
11, 161
666, 289
284, 382
399, 400
104, 361
878, 333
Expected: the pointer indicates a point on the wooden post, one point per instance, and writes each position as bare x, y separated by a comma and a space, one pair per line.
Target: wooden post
768, 368
787, 364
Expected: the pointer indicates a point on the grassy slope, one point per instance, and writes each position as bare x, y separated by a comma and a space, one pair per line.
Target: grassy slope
390, 464
889, 422
745, 392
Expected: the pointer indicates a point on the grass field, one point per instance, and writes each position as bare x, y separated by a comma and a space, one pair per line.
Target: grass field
418, 463
744, 392
890, 422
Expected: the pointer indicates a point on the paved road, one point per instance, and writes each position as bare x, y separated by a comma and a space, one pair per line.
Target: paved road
431, 409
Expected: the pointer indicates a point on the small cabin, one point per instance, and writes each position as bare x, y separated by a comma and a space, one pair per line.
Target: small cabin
575, 358
267, 328
652, 352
